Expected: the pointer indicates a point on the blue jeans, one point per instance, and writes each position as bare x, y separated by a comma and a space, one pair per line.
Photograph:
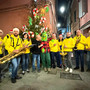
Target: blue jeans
60, 58
55, 54
15, 63
88, 59
25, 61
36, 57
79, 53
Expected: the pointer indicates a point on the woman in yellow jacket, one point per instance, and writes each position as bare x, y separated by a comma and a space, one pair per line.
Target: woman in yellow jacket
88, 52
25, 56
60, 41
68, 45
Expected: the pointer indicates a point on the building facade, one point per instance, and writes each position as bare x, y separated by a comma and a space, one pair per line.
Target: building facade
14, 13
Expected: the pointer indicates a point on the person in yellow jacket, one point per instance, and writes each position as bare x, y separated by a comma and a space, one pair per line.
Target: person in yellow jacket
68, 45
54, 51
80, 42
13, 46
88, 52
1, 43
25, 56
60, 48
5, 40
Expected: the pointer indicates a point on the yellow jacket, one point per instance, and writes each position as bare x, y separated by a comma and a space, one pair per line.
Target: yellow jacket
88, 42
52, 47
13, 43
26, 42
81, 44
69, 43
5, 39
1, 45
60, 45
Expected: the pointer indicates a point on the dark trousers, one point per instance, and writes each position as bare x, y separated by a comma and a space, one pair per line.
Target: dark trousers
79, 54
55, 54
0, 66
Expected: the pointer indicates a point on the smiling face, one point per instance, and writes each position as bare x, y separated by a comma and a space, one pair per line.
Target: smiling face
53, 36
78, 33
16, 33
25, 36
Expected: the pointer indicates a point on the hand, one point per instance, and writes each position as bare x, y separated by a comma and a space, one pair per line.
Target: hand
40, 45
26, 46
65, 46
0, 42
54, 45
77, 41
16, 51
88, 49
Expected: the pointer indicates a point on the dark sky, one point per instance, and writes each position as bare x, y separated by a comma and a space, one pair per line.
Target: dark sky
62, 17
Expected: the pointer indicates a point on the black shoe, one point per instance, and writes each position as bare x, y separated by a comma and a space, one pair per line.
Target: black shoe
76, 68
18, 77
38, 70
88, 70
0, 80
82, 69
13, 80
27, 70
60, 66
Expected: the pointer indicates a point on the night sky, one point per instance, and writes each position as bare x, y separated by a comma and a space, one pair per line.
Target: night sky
61, 18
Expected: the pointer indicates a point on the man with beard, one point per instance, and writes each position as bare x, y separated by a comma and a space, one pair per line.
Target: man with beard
13, 46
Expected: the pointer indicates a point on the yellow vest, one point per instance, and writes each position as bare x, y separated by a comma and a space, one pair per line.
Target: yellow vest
13, 43
1, 45
26, 42
88, 42
52, 47
69, 43
80, 45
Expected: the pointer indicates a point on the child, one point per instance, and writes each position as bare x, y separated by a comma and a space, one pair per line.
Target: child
25, 56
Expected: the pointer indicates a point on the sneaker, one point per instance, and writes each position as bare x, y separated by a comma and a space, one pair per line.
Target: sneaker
45, 69
23, 72
71, 70
33, 70
38, 70
49, 69
88, 70
13, 80
27, 70
67, 69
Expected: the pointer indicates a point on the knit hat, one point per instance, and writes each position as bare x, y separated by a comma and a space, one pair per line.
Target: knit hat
60, 35
15, 29
1, 31
11, 31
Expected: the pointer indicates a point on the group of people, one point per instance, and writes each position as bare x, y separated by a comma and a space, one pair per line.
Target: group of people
44, 49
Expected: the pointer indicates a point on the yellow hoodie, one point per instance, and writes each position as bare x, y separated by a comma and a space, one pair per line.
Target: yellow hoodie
52, 47
1, 45
88, 42
13, 43
81, 44
69, 43
26, 42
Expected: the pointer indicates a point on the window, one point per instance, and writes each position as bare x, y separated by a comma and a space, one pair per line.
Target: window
75, 16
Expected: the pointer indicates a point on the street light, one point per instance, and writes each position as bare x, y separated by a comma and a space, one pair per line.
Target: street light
62, 9
58, 25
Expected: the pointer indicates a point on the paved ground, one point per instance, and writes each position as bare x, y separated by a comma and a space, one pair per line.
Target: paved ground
44, 81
